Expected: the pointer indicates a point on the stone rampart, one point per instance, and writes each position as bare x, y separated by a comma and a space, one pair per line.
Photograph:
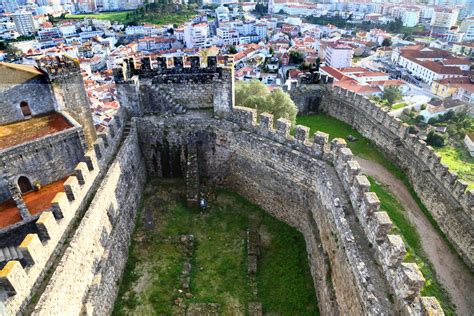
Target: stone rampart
91, 267
174, 85
293, 177
19, 282
444, 195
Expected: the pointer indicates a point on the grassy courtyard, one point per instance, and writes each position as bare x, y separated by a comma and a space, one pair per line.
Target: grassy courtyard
153, 278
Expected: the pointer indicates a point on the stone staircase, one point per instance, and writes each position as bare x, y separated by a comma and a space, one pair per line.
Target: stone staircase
10, 253
176, 108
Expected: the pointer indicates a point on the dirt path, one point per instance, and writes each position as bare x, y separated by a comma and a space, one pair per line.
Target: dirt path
451, 272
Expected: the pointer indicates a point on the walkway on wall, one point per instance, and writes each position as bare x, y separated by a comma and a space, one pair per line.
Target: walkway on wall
451, 272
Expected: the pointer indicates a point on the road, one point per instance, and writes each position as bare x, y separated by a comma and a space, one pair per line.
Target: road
451, 272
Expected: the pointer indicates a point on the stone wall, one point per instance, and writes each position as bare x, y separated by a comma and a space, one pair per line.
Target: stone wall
292, 178
441, 192
156, 87
307, 97
67, 86
35, 92
91, 267
46, 159
19, 282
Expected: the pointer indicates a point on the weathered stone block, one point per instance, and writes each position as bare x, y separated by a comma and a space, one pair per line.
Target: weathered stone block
13, 278
32, 250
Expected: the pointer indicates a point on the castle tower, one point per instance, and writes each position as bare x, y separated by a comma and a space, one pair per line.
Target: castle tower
68, 89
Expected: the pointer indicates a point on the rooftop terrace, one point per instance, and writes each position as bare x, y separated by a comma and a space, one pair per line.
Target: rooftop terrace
23, 131
36, 201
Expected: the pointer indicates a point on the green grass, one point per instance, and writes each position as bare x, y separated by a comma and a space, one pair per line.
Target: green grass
219, 262
399, 105
280, 265
118, 16
152, 18
459, 161
415, 253
362, 147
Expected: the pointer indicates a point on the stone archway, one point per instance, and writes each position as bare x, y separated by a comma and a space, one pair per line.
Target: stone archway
24, 184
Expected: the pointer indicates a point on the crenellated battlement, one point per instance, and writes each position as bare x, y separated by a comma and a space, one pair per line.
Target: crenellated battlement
177, 69
405, 279
421, 151
39, 250
58, 66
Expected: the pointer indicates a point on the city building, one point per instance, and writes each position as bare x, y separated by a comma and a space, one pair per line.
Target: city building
410, 18
195, 35
339, 55
25, 23
443, 19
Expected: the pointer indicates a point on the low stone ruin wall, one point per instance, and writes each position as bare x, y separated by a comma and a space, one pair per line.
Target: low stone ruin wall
17, 283
439, 189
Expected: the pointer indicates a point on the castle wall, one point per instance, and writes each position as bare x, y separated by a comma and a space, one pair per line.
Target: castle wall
19, 283
307, 97
44, 160
318, 188
35, 92
71, 96
438, 188
166, 89
92, 265
179, 134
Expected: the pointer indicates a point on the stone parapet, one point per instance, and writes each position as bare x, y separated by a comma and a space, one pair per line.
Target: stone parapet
457, 202
449, 180
405, 279
40, 250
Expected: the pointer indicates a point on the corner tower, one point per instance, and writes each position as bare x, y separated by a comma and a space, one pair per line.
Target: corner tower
68, 88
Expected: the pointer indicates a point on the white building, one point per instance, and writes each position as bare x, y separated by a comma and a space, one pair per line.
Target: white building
24, 22
467, 27
338, 55
67, 29
222, 13
469, 142
261, 30
195, 35
228, 36
444, 19
410, 18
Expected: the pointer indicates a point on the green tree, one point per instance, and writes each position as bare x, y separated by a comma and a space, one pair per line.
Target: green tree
232, 50
387, 42
255, 95
296, 57
391, 94
435, 139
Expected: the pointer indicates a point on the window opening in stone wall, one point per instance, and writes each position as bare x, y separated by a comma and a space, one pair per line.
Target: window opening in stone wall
25, 109
24, 184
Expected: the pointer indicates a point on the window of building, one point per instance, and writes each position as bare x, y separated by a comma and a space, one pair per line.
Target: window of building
25, 108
